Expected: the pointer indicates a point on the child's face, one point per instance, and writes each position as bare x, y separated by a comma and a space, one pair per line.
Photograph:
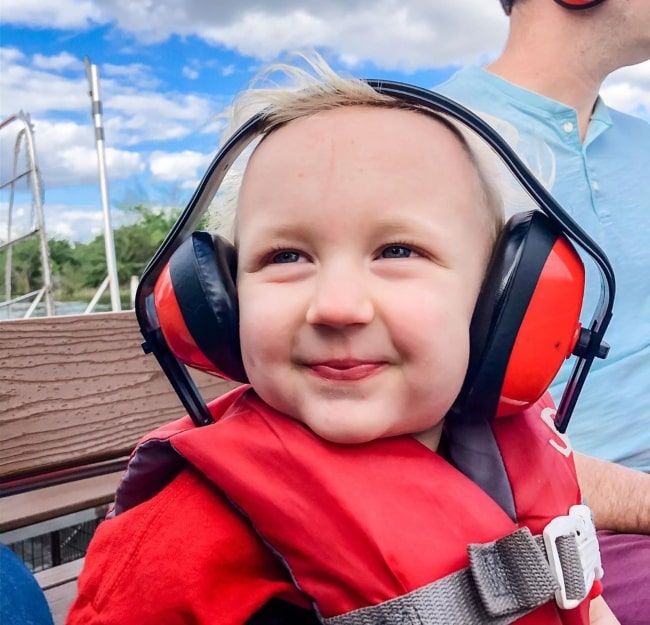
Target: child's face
363, 241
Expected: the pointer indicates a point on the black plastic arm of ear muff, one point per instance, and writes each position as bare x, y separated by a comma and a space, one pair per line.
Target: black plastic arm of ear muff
586, 346
198, 204
583, 346
424, 98
176, 372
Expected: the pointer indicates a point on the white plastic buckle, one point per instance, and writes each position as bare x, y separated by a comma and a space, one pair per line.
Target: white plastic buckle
579, 523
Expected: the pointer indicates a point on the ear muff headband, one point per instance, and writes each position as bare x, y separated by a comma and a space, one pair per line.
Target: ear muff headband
591, 340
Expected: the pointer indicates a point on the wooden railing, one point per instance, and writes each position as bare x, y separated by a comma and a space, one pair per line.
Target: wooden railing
76, 394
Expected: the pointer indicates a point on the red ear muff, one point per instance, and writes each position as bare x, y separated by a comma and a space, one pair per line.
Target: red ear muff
549, 331
579, 4
195, 301
526, 319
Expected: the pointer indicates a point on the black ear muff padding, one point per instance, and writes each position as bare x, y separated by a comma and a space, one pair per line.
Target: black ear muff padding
202, 272
513, 273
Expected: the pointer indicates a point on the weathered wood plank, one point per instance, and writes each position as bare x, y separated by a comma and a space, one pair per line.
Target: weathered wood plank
59, 575
54, 501
60, 600
78, 389
60, 587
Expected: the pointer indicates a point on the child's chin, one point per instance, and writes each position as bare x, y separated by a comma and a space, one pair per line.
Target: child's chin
347, 436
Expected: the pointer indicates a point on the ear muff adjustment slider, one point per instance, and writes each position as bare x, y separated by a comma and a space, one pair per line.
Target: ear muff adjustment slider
584, 346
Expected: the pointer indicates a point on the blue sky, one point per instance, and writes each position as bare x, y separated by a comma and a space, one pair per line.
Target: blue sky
168, 68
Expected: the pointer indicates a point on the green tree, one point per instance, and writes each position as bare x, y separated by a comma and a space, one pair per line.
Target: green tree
135, 244
66, 269
26, 270
83, 266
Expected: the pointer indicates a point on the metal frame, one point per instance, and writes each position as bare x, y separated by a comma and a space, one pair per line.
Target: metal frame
31, 172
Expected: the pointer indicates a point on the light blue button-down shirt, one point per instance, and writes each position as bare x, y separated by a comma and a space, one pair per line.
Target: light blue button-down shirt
604, 184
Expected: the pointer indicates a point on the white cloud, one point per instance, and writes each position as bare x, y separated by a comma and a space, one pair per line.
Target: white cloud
10, 55
67, 155
190, 73
392, 33
59, 14
79, 224
628, 90
134, 116
135, 74
38, 91
22, 216
82, 223
57, 63
65, 148
185, 167
133, 110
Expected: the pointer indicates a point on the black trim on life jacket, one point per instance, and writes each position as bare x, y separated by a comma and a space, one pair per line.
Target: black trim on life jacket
278, 612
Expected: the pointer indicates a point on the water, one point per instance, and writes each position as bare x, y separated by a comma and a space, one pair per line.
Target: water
18, 310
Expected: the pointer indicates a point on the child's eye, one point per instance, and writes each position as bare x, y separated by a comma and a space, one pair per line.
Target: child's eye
397, 251
285, 256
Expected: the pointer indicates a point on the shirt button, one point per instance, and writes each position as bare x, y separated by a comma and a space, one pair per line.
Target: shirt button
595, 186
568, 126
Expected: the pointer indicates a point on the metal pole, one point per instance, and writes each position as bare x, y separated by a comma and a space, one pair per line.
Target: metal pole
37, 193
93, 80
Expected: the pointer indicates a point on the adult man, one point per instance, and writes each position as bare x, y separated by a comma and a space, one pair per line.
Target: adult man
542, 94
543, 90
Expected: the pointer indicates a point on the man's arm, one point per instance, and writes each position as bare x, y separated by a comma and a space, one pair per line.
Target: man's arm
600, 613
618, 496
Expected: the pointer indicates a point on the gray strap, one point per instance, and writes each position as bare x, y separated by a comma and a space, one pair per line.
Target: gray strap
506, 579
574, 579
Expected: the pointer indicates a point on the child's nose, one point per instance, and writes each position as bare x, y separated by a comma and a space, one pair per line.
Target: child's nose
341, 297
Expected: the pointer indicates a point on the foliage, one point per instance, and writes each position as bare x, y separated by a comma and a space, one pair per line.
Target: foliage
79, 266
25, 267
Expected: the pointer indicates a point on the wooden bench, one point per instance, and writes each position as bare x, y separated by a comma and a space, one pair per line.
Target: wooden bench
77, 393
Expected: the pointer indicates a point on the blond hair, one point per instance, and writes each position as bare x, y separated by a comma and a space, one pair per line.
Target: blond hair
317, 88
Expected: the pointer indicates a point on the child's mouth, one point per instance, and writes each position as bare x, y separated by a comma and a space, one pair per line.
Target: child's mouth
346, 370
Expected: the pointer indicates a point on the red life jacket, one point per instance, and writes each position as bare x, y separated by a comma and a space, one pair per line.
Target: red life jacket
358, 525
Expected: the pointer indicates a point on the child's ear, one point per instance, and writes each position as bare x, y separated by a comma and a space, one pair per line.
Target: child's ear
526, 319
195, 300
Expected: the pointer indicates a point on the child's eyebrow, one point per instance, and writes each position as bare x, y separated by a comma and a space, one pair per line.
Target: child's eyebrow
283, 229
400, 223
411, 225
387, 226
267, 232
